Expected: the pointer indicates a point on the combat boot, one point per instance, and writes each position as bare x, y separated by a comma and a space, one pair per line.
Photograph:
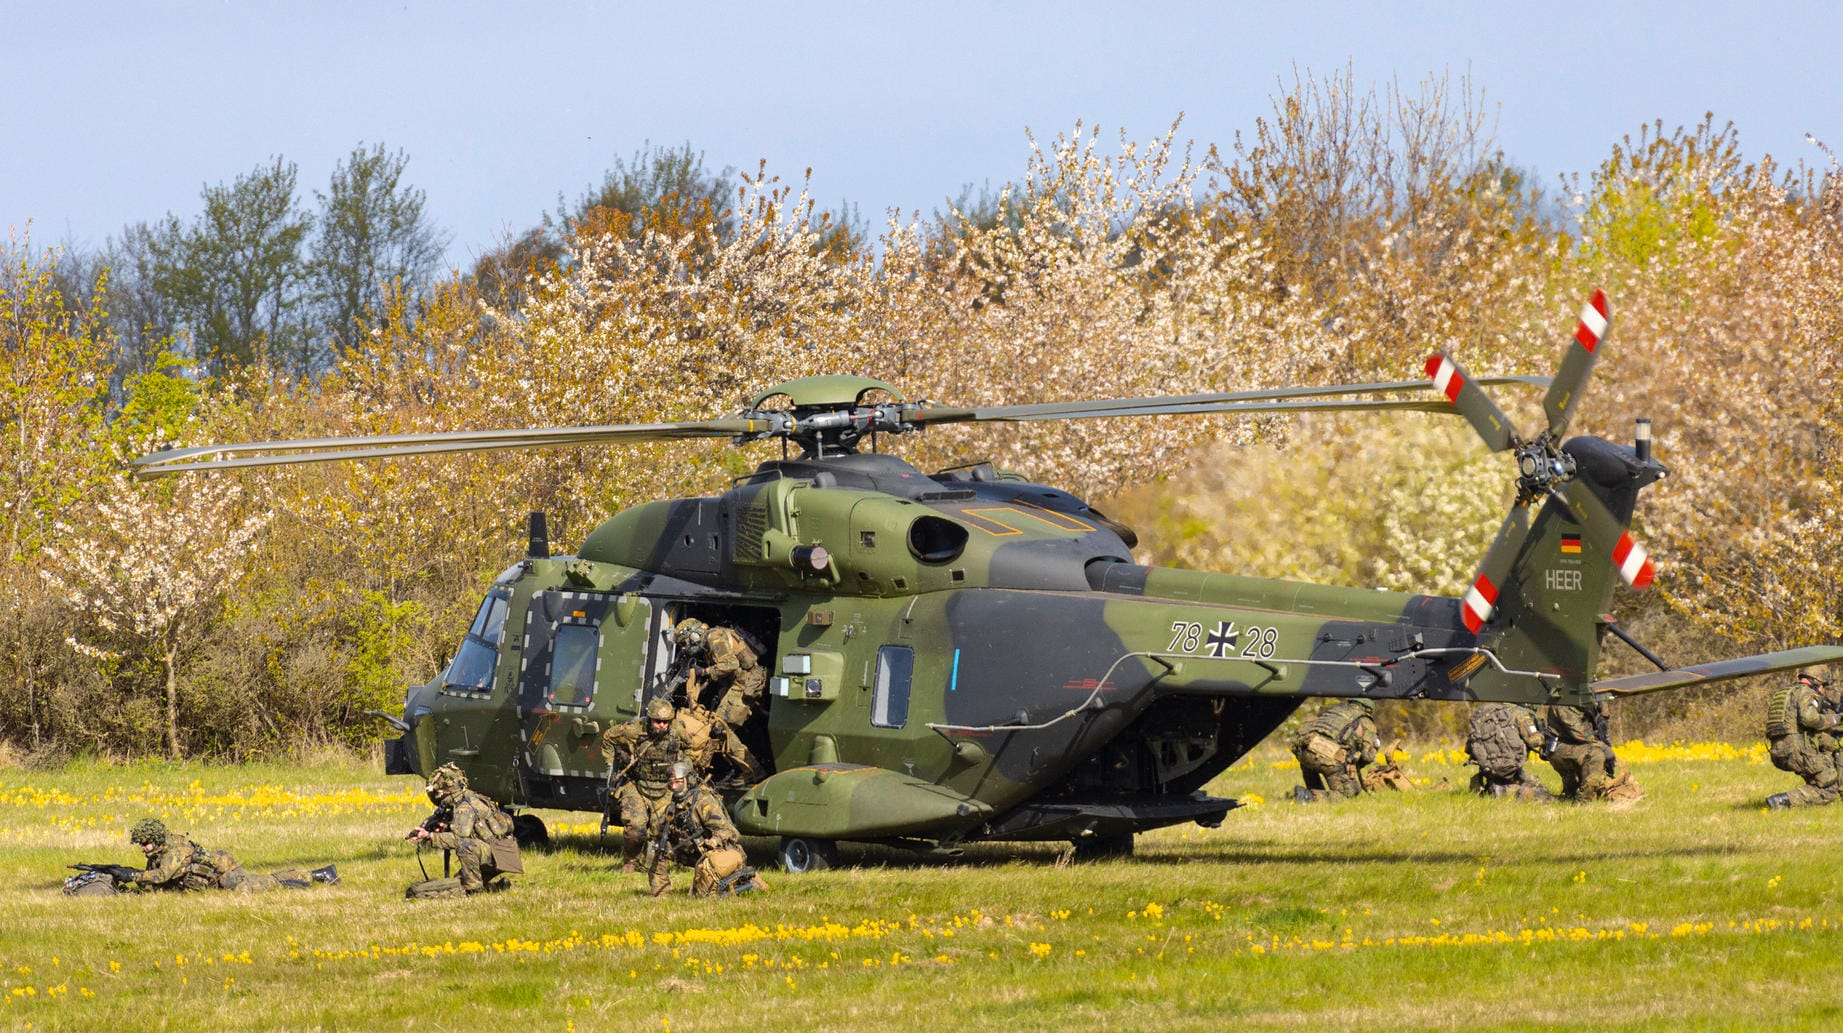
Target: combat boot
328, 875
1778, 801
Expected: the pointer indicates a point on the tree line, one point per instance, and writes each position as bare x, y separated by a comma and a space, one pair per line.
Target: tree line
1341, 238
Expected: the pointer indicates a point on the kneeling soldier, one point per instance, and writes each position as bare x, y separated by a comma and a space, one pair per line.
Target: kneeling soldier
698, 834
478, 832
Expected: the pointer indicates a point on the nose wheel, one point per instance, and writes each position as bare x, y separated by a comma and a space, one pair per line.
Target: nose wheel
798, 854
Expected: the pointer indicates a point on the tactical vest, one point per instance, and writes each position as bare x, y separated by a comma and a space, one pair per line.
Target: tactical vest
1781, 719
653, 760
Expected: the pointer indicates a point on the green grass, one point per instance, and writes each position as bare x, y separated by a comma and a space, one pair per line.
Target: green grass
1693, 908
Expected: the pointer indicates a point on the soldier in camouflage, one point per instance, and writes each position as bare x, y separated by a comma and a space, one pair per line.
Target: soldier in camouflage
474, 827
1333, 749
1499, 741
176, 863
1582, 755
729, 669
1802, 726
697, 833
640, 754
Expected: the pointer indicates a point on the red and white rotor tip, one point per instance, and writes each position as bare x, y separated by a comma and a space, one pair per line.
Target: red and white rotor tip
1445, 376
1635, 567
1479, 604
1594, 320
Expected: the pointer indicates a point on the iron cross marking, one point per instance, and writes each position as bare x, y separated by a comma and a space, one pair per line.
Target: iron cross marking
1223, 639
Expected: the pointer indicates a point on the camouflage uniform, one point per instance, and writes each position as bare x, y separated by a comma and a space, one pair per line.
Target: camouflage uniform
1804, 733
641, 765
710, 737
731, 671
474, 827
1499, 741
1333, 749
177, 863
697, 833
1583, 757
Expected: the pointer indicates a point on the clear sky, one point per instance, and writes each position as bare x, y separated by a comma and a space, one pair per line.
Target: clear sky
113, 112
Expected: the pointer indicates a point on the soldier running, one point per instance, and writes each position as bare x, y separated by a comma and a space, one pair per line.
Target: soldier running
640, 754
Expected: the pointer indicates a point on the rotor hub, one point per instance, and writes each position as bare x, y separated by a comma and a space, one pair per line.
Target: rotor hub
1541, 469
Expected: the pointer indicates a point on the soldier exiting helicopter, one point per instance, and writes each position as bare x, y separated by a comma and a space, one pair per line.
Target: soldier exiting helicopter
640, 755
727, 669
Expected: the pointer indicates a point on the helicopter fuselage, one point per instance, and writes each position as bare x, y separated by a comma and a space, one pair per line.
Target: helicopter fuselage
953, 657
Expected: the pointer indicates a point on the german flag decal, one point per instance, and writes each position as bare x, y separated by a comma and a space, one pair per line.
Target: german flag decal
1570, 544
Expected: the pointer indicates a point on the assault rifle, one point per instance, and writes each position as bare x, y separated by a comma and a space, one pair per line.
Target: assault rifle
439, 819
119, 872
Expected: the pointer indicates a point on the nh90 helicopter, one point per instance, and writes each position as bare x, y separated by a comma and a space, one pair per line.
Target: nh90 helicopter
966, 655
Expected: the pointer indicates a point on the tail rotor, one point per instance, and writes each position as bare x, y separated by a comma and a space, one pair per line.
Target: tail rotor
1545, 469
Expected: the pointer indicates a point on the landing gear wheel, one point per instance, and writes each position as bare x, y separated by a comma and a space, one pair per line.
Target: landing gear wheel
1095, 848
799, 855
530, 832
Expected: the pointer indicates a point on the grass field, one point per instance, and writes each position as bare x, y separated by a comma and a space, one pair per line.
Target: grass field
1694, 908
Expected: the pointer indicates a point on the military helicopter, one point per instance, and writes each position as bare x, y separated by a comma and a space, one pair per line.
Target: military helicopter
967, 655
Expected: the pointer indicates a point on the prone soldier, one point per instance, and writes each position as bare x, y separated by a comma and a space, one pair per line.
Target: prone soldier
1499, 740
474, 827
1333, 748
177, 863
1802, 725
697, 833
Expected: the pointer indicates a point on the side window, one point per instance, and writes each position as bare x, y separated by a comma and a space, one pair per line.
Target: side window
572, 665
889, 700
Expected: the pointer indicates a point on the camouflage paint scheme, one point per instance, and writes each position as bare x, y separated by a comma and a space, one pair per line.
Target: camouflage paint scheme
980, 658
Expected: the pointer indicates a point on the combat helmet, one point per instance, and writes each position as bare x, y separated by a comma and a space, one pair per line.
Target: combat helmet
1368, 705
660, 709
690, 633
147, 830
681, 774
447, 782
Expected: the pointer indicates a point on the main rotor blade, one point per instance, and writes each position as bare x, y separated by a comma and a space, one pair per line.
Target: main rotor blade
1565, 393
1720, 670
1284, 399
1467, 396
1609, 536
1481, 599
384, 446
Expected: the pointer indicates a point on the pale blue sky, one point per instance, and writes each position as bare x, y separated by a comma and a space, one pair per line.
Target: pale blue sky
113, 112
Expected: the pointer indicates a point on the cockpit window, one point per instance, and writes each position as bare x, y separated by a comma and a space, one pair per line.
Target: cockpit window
491, 620
472, 670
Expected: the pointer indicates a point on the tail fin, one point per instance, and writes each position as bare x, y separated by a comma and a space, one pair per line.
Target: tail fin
1560, 580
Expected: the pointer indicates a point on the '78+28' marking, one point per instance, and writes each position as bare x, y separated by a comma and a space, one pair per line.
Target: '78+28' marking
1254, 642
